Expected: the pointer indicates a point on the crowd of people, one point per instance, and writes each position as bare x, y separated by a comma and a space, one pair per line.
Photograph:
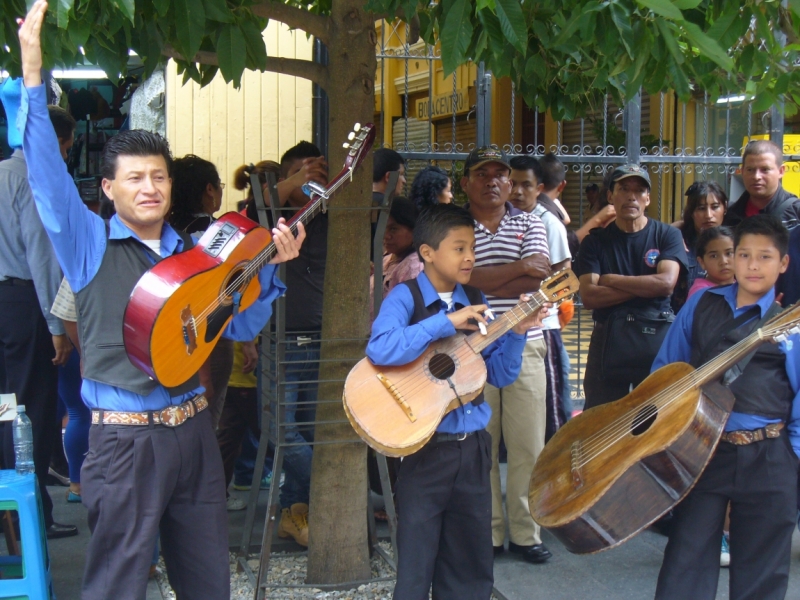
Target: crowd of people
164, 458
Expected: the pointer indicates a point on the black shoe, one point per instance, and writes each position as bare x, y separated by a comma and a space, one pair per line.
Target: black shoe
57, 530
538, 553
498, 549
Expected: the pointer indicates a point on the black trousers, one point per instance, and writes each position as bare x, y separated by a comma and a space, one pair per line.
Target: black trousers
239, 413
596, 389
139, 480
27, 370
444, 532
760, 481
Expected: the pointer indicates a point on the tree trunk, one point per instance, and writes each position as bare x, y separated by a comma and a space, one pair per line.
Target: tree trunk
338, 550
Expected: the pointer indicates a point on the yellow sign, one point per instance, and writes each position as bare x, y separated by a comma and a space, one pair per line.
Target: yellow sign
442, 105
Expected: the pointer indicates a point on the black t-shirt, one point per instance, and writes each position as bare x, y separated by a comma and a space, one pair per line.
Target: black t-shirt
611, 250
305, 278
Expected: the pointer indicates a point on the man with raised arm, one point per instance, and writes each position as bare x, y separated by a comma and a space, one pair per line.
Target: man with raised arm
140, 475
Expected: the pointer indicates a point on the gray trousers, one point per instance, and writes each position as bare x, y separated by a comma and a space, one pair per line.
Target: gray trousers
137, 481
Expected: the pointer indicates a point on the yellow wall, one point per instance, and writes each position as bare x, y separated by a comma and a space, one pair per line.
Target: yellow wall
269, 114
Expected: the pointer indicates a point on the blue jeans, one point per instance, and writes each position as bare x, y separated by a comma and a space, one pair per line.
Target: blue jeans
302, 366
243, 468
566, 387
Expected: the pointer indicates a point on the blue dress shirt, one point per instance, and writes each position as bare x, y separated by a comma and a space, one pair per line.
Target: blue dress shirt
677, 347
79, 238
395, 342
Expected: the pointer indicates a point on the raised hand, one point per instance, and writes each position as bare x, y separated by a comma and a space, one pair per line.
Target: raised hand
30, 32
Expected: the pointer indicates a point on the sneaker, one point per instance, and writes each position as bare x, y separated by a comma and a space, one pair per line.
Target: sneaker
294, 523
725, 553
245, 487
234, 503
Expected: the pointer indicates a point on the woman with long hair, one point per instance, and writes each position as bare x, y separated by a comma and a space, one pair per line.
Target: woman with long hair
431, 186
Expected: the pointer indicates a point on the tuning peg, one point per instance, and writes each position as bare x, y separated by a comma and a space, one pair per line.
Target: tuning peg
345, 145
351, 136
795, 329
780, 338
357, 127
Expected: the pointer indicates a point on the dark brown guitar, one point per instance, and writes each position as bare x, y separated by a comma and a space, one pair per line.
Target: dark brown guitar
616, 468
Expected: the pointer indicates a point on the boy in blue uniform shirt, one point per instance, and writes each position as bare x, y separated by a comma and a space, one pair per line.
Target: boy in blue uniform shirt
444, 533
755, 465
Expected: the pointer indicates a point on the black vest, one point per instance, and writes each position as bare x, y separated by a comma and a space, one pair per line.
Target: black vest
763, 388
101, 309
422, 312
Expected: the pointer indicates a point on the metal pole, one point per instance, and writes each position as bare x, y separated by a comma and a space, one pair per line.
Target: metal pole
632, 124
484, 109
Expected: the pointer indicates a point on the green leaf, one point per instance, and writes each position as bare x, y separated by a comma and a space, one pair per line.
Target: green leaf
764, 101
162, 6
679, 81
254, 42
794, 5
622, 22
126, 6
665, 8
669, 40
492, 27
209, 72
721, 26
455, 34
707, 46
63, 9
686, 4
79, 31
190, 24
481, 4
217, 10
231, 52
513, 24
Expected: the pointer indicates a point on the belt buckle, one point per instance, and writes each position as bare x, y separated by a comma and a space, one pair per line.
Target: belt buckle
172, 416
461, 436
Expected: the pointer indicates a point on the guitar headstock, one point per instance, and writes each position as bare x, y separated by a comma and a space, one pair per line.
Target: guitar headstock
359, 143
784, 324
560, 286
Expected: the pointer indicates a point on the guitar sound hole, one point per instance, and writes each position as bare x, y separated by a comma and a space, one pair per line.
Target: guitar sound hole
644, 420
441, 366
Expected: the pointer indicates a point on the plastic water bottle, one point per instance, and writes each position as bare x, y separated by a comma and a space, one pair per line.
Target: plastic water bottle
23, 442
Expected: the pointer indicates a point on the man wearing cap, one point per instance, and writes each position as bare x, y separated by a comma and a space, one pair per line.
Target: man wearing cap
634, 263
32, 341
511, 258
762, 173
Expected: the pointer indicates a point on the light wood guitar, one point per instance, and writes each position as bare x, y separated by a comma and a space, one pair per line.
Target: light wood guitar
396, 410
180, 308
616, 468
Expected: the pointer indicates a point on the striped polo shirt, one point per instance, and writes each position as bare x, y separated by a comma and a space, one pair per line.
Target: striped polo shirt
518, 236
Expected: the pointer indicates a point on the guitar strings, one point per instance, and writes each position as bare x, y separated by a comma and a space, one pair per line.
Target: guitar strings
465, 350
603, 439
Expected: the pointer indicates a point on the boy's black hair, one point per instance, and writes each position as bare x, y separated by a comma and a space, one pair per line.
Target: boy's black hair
766, 225
553, 171
300, 151
523, 162
134, 142
435, 222
383, 161
709, 235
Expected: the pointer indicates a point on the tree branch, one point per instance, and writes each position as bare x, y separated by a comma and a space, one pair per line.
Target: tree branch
295, 18
306, 69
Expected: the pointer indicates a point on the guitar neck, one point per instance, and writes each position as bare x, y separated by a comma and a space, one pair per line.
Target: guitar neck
305, 215
497, 328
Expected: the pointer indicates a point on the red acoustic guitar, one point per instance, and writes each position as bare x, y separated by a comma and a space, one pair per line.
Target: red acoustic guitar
180, 307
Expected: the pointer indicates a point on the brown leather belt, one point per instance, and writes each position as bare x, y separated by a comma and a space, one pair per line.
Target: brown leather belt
172, 416
745, 437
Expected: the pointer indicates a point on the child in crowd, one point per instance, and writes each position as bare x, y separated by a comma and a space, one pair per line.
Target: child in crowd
755, 464
444, 534
715, 257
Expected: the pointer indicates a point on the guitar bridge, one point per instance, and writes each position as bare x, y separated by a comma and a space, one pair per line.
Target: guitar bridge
575, 460
397, 396
189, 330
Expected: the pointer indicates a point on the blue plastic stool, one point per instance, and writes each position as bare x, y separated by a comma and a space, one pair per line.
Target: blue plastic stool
32, 569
